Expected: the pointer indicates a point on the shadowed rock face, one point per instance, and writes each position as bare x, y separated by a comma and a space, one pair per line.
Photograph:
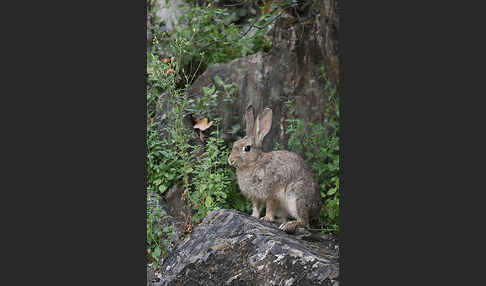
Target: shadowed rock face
231, 248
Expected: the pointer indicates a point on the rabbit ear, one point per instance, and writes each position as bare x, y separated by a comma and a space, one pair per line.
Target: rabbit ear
250, 119
263, 125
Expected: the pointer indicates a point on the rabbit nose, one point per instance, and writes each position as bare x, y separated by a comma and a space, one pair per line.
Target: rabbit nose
230, 162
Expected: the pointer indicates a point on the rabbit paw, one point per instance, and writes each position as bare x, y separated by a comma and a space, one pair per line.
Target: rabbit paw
268, 218
288, 227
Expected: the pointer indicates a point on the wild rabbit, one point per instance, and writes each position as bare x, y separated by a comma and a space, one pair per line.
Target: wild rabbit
279, 179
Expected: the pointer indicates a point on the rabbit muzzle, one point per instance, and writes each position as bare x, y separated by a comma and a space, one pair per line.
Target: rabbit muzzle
230, 161
233, 162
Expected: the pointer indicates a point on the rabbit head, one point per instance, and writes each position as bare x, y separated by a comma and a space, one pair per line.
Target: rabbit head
246, 151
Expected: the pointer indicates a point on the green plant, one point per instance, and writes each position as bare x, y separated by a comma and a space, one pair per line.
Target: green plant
206, 35
168, 157
157, 237
214, 183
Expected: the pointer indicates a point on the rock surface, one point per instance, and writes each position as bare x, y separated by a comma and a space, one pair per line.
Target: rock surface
232, 248
170, 12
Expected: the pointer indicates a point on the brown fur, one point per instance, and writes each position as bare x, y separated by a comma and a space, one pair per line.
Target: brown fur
279, 179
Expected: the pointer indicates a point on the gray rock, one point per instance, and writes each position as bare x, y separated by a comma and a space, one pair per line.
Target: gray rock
170, 12
150, 276
232, 248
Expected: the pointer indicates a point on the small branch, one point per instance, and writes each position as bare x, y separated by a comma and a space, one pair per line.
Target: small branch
253, 24
235, 4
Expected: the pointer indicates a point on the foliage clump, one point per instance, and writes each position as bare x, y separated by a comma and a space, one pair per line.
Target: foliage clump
206, 35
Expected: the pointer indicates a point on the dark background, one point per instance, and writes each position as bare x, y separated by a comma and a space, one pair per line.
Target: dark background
73, 128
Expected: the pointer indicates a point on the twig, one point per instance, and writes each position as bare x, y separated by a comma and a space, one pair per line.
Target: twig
253, 24
235, 4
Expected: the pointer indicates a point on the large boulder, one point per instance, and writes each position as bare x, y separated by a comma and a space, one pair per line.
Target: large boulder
301, 46
232, 248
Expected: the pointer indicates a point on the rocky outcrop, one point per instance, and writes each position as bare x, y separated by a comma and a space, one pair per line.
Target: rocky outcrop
301, 46
232, 248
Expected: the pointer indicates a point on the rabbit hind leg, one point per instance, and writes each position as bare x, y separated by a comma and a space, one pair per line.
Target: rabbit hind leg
302, 219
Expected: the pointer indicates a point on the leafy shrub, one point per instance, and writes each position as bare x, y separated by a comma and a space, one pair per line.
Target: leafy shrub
206, 35
214, 184
157, 237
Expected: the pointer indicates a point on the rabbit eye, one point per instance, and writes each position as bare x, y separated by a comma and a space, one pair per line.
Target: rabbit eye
247, 148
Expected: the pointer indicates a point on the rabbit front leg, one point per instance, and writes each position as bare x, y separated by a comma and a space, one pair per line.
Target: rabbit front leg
270, 212
257, 208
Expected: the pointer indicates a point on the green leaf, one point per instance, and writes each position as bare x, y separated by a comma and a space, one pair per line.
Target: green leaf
162, 188
218, 81
206, 91
156, 253
169, 176
188, 170
208, 202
